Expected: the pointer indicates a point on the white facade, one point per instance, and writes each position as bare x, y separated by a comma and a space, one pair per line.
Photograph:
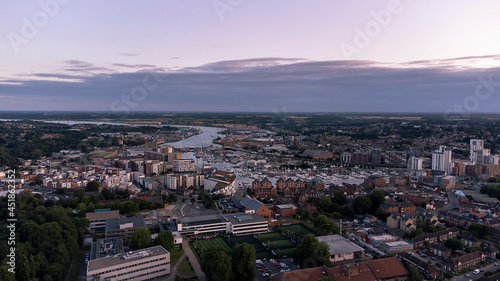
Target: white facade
441, 159
415, 163
183, 165
475, 146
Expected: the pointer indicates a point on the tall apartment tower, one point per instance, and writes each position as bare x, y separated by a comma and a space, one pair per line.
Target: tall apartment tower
476, 146
441, 159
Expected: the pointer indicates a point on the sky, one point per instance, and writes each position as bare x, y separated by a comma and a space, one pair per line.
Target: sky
250, 55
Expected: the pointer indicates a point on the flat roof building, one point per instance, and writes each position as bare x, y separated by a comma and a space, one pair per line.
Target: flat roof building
123, 228
145, 264
243, 223
99, 217
341, 249
236, 224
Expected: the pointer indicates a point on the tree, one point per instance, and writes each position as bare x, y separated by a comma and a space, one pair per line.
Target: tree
217, 264
377, 197
326, 278
362, 205
244, 262
326, 203
311, 253
107, 194
339, 198
140, 239
165, 239
454, 244
93, 186
414, 274
479, 230
324, 223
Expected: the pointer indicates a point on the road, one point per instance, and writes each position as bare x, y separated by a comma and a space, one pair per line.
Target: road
490, 267
82, 272
452, 201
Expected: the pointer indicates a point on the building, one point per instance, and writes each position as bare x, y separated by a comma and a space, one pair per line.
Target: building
145, 264
264, 188
464, 261
428, 270
476, 146
123, 228
183, 165
244, 224
286, 210
395, 247
99, 217
382, 269
202, 224
236, 224
415, 163
341, 249
441, 160
221, 182
253, 205
399, 207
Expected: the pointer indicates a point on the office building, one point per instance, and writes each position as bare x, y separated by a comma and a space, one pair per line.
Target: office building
145, 264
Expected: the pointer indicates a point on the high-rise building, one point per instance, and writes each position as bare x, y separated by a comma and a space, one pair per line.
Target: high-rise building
415, 163
441, 159
476, 145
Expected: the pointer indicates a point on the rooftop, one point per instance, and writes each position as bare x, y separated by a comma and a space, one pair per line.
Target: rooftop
339, 244
129, 257
123, 223
201, 220
243, 218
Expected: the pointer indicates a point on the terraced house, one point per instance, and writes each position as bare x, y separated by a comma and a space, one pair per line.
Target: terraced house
463, 262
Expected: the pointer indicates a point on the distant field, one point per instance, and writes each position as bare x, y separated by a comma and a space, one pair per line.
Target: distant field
269, 236
203, 244
280, 244
296, 230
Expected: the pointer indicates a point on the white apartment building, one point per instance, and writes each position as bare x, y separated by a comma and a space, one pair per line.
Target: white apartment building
145, 264
441, 159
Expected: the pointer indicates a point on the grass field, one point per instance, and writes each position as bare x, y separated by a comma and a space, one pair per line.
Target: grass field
204, 244
185, 268
296, 230
269, 236
280, 244
175, 254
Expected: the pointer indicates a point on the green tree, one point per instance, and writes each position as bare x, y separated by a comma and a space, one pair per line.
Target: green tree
93, 186
479, 230
165, 239
243, 258
216, 264
324, 223
454, 244
140, 239
339, 198
326, 278
377, 197
326, 204
362, 205
311, 253
414, 273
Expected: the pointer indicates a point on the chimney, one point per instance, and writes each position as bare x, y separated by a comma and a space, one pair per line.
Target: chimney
351, 269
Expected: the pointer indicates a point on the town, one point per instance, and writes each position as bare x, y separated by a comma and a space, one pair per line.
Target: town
386, 198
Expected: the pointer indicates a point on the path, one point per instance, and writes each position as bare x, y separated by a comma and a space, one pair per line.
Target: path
194, 262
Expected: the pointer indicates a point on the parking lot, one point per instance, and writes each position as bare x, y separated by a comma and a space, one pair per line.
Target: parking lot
197, 209
270, 267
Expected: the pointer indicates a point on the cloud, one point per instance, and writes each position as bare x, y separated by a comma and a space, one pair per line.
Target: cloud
267, 83
134, 65
128, 54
